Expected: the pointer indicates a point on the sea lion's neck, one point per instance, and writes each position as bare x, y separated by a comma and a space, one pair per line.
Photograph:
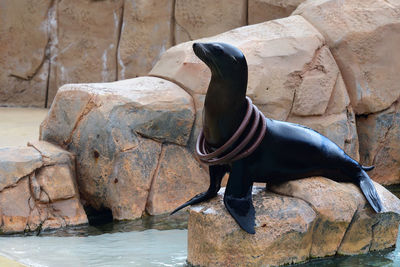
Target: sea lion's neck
224, 110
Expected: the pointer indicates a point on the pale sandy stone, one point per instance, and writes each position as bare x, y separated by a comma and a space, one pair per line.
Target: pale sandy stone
179, 177
283, 233
41, 193
52, 154
23, 44
85, 44
146, 33
14, 207
130, 182
315, 217
336, 205
17, 162
57, 182
195, 19
264, 10
360, 34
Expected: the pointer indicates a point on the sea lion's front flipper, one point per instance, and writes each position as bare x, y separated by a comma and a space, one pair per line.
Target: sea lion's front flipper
238, 199
217, 172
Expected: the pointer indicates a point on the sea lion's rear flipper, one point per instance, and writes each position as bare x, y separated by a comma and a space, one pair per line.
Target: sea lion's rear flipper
368, 188
217, 172
238, 201
367, 168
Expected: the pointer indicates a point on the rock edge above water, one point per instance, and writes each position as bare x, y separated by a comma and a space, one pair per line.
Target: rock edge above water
296, 221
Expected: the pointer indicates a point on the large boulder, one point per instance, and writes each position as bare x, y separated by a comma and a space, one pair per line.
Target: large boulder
379, 135
292, 76
129, 138
308, 218
195, 19
38, 189
364, 39
23, 44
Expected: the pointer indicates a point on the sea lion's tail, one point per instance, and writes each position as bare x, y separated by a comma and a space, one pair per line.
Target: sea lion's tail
368, 188
367, 168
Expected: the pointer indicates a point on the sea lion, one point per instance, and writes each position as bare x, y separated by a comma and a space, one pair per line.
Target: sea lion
287, 151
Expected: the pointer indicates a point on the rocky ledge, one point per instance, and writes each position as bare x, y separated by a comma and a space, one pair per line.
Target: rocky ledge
295, 221
38, 190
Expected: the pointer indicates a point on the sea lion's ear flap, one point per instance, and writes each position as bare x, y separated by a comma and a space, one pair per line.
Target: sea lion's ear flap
238, 201
234, 59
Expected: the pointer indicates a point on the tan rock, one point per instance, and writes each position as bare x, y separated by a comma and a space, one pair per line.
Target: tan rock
379, 136
179, 177
360, 34
385, 231
14, 207
195, 19
316, 217
85, 45
69, 212
335, 205
16, 163
146, 33
23, 44
32, 200
113, 125
62, 123
130, 182
370, 231
317, 84
57, 182
264, 10
52, 154
283, 233
358, 236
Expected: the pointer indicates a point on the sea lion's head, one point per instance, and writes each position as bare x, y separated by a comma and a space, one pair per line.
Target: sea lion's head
224, 60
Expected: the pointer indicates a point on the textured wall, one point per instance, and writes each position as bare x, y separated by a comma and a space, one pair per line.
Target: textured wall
47, 43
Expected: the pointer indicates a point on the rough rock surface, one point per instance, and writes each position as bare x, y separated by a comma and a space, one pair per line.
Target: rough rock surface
195, 19
292, 76
360, 35
145, 35
308, 218
84, 44
38, 190
175, 181
264, 10
23, 64
379, 136
123, 134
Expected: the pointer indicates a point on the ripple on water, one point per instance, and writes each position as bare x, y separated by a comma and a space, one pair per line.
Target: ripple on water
144, 248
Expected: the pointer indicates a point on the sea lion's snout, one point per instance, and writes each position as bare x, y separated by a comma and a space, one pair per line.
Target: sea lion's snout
223, 59
200, 50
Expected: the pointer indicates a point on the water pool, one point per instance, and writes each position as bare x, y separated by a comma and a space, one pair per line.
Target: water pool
153, 241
